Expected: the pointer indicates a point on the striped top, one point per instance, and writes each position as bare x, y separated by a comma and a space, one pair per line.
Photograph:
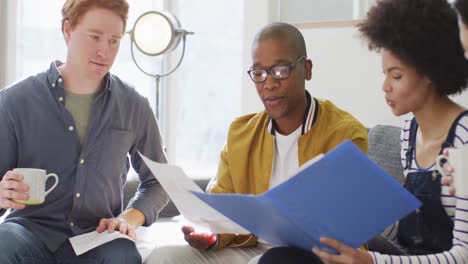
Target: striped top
456, 208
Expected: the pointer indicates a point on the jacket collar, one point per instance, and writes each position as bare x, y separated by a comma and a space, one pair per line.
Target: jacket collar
309, 118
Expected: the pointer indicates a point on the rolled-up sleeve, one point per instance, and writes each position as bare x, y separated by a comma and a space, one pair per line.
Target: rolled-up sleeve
150, 197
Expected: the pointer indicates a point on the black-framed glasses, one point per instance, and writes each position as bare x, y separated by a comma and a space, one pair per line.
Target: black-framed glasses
279, 72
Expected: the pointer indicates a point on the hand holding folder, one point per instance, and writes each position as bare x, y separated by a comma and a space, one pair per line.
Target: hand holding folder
344, 196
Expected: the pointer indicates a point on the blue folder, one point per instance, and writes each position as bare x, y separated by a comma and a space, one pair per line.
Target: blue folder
344, 195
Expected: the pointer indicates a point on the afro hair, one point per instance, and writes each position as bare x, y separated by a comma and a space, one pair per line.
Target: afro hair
422, 34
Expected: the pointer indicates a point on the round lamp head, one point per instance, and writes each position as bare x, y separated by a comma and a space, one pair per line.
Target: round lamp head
155, 33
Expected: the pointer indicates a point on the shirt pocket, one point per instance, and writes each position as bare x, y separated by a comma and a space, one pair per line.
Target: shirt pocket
113, 153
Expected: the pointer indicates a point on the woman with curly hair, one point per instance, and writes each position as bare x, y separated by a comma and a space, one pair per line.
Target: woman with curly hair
423, 64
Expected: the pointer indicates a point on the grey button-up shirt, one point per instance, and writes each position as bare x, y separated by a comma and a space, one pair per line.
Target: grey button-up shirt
36, 131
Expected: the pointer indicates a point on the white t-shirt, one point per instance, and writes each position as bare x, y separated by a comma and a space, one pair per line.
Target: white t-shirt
286, 161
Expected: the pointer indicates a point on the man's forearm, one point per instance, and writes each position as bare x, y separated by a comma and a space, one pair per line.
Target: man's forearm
133, 216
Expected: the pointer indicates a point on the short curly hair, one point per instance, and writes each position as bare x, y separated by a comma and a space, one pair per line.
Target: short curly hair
422, 34
462, 8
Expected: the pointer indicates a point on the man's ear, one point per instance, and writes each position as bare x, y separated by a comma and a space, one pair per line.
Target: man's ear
308, 69
66, 30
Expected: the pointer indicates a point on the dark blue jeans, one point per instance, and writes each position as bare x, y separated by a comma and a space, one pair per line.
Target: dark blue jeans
19, 245
280, 255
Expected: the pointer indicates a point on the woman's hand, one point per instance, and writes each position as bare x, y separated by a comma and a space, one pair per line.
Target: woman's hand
346, 255
447, 178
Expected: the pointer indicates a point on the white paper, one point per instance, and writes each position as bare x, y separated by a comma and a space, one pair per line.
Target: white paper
83, 243
198, 214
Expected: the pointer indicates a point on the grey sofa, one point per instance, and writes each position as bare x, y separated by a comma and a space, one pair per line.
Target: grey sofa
384, 149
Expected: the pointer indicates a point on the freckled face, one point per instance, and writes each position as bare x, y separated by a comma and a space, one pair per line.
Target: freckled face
94, 42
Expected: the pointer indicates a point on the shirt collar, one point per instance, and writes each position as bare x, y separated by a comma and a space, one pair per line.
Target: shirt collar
55, 78
309, 119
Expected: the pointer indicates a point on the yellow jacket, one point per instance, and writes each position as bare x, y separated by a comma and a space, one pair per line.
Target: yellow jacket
246, 161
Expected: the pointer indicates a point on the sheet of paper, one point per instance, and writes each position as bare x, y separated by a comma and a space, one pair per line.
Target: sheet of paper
179, 187
85, 242
344, 196
145, 240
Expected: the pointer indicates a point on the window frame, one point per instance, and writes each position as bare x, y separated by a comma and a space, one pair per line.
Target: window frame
8, 10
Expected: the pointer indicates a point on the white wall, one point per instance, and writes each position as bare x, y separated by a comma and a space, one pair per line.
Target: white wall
346, 73
306, 10
7, 57
256, 15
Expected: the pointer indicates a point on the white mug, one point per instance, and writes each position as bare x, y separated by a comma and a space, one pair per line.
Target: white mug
458, 159
36, 179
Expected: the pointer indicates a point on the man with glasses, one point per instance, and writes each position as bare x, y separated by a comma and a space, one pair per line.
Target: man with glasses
266, 148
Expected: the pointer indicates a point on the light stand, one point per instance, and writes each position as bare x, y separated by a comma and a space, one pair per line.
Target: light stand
157, 33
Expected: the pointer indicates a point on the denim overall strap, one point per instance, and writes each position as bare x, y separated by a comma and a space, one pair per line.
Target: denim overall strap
429, 229
449, 142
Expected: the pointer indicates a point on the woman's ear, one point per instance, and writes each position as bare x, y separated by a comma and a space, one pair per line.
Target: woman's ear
428, 82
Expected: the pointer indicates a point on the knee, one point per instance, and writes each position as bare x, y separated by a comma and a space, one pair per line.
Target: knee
119, 251
18, 243
276, 255
11, 257
288, 255
10, 243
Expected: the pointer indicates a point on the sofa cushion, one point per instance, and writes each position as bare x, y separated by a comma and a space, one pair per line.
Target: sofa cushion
384, 149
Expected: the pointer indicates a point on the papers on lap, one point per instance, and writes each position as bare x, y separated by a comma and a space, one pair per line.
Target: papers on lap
344, 195
83, 243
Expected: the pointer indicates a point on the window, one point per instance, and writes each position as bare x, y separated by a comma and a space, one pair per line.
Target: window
207, 90
52, 46
28, 60
199, 100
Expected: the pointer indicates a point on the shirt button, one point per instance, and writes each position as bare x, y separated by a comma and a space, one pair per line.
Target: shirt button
53, 85
81, 161
71, 128
72, 224
59, 80
61, 99
78, 195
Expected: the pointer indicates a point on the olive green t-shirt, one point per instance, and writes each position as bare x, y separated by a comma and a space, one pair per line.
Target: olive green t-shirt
79, 106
